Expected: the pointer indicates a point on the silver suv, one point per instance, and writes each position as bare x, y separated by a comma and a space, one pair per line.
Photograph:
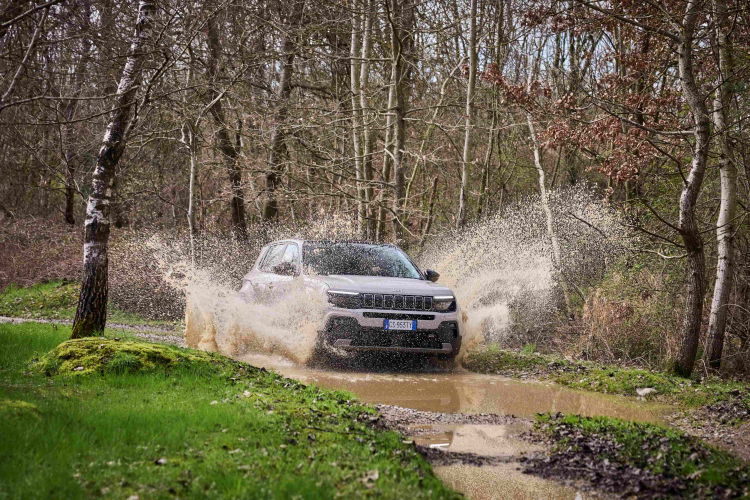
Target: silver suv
379, 300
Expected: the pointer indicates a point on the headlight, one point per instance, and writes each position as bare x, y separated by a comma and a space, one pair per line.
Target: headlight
347, 300
444, 303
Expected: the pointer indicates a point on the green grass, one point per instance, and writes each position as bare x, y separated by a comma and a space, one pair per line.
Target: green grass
58, 300
654, 448
224, 429
606, 379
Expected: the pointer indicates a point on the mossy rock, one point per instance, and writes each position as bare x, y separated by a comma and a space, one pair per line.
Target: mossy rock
100, 355
11, 408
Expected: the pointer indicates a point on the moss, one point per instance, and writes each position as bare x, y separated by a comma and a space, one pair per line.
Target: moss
10, 408
101, 355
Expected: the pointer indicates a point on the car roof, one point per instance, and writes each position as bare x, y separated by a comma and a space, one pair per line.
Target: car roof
337, 242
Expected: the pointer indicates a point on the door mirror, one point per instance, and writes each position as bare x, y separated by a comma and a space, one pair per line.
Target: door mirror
431, 275
285, 269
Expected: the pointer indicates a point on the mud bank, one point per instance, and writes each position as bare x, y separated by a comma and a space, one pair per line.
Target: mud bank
479, 455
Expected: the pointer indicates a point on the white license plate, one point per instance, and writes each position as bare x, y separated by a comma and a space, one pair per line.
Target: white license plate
400, 324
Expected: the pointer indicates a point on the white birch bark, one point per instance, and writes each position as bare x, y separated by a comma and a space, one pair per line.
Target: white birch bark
91, 313
725, 226
354, 79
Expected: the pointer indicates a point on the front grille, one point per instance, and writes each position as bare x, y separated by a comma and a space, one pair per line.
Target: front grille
385, 315
407, 302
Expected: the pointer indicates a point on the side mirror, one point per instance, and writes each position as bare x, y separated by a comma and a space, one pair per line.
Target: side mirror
431, 275
285, 269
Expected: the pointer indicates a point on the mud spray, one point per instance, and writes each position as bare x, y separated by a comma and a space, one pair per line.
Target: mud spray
500, 269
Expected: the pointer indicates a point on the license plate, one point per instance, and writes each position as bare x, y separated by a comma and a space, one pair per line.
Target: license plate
400, 324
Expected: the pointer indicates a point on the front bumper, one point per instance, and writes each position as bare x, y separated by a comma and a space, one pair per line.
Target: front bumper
437, 334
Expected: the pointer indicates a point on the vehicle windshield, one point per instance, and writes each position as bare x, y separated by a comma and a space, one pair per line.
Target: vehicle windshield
357, 259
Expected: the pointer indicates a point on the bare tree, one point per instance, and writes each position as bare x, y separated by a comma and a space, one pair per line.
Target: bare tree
725, 224
228, 148
91, 313
466, 159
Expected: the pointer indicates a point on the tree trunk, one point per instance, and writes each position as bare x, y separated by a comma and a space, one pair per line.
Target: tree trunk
728, 172
354, 79
71, 156
430, 212
691, 325
402, 41
273, 177
229, 152
91, 313
466, 160
544, 197
367, 134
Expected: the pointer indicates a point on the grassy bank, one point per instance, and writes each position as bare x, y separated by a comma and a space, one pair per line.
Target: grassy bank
116, 418
641, 459
608, 379
58, 300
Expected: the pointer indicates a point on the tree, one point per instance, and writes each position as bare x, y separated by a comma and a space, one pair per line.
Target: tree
466, 159
91, 313
725, 224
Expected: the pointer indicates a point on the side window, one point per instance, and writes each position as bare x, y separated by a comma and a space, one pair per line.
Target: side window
273, 258
291, 254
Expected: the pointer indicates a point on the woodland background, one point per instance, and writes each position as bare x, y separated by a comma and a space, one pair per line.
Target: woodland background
411, 119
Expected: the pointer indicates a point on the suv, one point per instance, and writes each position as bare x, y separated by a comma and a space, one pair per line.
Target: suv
379, 300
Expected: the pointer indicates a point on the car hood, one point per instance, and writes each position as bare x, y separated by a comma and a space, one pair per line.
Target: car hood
378, 284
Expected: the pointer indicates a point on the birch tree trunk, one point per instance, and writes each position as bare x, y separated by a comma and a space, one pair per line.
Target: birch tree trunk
466, 160
367, 135
229, 151
728, 172
91, 313
688, 225
357, 119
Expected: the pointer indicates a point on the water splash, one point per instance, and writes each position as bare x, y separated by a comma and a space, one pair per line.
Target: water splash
502, 271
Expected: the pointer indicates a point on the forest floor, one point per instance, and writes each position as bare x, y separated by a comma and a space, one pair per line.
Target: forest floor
119, 417
712, 408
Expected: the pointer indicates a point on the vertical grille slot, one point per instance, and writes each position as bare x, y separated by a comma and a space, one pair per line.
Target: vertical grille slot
428, 303
409, 302
398, 302
387, 301
368, 300
378, 301
418, 303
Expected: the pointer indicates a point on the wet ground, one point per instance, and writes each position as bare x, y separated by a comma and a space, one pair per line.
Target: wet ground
469, 425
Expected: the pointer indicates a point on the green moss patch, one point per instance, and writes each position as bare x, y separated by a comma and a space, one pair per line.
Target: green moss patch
18, 409
102, 355
639, 459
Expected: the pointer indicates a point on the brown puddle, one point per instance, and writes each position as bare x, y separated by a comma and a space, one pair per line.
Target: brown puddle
462, 391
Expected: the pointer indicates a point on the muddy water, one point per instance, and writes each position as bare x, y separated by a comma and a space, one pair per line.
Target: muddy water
427, 388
